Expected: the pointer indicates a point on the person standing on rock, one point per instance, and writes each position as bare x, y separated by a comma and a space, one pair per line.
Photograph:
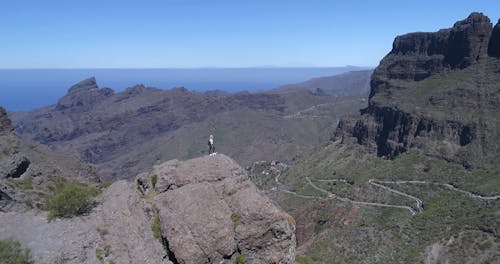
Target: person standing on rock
211, 146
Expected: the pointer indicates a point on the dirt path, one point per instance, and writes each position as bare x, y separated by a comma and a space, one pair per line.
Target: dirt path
446, 185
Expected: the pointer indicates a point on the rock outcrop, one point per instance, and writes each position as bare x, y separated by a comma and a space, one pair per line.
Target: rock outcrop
204, 210
451, 116
117, 230
210, 212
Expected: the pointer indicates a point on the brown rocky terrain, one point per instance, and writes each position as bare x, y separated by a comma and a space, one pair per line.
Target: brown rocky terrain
126, 133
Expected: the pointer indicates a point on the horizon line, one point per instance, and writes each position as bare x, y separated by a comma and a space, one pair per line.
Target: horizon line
189, 68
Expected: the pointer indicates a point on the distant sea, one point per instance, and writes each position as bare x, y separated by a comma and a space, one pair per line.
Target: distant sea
27, 89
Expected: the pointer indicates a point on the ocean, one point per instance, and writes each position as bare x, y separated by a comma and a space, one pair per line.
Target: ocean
27, 89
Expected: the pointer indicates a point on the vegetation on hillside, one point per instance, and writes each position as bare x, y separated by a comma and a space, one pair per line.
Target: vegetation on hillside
70, 199
12, 253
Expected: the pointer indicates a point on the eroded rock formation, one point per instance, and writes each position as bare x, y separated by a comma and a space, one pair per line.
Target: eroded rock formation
452, 118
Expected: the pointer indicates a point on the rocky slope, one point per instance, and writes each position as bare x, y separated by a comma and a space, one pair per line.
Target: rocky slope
437, 92
125, 133
203, 210
28, 169
117, 230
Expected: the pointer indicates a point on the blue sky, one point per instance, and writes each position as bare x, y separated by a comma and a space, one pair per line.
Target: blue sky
213, 33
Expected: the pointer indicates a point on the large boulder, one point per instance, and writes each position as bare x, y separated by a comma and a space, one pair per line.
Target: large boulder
210, 212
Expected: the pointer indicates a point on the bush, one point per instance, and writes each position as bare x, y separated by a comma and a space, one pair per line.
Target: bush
234, 217
70, 199
240, 258
98, 254
11, 253
155, 226
304, 259
154, 180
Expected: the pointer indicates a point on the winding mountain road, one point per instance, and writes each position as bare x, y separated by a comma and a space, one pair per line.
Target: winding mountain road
378, 183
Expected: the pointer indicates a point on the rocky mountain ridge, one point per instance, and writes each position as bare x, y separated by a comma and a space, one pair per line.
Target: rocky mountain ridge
463, 55
125, 133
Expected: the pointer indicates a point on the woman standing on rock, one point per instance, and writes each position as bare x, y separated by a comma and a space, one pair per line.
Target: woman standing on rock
211, 146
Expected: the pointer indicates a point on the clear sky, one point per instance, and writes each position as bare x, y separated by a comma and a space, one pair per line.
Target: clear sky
216, 33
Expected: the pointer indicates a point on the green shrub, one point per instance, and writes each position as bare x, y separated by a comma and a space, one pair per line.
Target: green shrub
304, 259
155, 226
11, 253
70, 199
98, 254
154, 180
240, 258
25, 184
234, 216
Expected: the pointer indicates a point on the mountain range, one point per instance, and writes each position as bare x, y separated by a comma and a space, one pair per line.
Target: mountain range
124, 133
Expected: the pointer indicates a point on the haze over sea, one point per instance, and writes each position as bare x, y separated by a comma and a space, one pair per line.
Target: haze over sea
26, 89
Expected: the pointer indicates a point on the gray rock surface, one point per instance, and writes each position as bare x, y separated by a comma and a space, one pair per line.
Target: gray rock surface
210, 211
494, 45
119, 228
5, 123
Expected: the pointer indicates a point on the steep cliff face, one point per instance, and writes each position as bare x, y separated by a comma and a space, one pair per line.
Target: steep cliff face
437, 92
416, 56
494, 45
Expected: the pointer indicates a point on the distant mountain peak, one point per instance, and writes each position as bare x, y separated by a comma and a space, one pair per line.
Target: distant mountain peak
85, 85
83, 95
